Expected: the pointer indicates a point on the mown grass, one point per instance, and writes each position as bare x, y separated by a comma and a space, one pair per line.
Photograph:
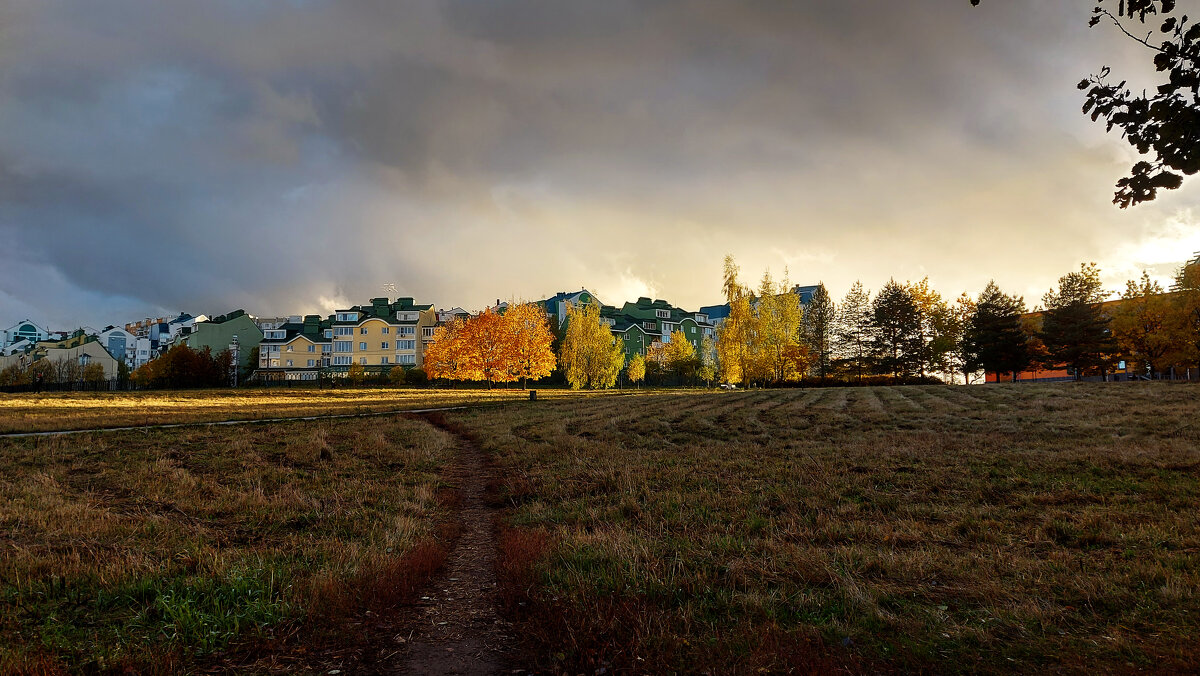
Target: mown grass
944, 529
89, 410
150, 550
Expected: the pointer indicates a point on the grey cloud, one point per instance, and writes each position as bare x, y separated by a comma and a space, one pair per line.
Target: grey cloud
208, 155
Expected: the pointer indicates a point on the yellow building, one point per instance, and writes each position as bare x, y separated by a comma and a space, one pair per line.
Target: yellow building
381, 335
295, 350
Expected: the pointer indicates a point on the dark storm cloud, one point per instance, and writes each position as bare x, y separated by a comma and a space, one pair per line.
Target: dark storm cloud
293, 156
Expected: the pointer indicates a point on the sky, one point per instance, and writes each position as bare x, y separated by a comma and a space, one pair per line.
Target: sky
298, 156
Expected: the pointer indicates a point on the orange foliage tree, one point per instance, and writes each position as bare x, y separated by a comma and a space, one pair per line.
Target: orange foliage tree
493, 347
489, 347
532, 353
447, 354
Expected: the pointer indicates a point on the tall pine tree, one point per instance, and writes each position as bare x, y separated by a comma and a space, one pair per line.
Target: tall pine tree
993, 340
820, 318
855, 331
897, 343
1074, 327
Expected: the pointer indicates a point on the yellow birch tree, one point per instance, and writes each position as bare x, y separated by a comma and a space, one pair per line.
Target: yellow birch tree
590, 357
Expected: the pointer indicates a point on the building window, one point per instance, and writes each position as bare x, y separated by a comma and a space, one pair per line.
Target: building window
344, 331
383, 360
347, 316
385, 330
428, 331
343, 346
406, 330
328, 333
289, 348
384, 345
362, 347
289, 362
406, 359
649, 326
312, 348
362, 360
326, 348
312, 362
662, 314
341, 361
275, 363
406, 344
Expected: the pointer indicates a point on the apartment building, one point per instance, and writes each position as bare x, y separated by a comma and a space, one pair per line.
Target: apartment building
381, 335
296, 349
642, 324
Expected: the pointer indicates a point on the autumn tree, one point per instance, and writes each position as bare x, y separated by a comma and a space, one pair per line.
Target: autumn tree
447, 356
1075, 329
488, 348
855, 331
493, 347
531, 354
93, 373
993, 340
819, 323
939, 333
775, 337
590, 357
1185, 315
13, 375
708, 360
636, 370
1142, 324
680, 356
734, 342
734, 333
183, 367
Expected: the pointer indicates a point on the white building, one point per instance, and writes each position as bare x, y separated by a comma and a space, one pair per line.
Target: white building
121, 344
25, 330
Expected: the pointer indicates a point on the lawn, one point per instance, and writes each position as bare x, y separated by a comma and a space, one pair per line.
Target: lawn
155, 550
945, 529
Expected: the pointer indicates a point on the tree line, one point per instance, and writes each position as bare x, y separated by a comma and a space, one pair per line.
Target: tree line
52, 372
907, 332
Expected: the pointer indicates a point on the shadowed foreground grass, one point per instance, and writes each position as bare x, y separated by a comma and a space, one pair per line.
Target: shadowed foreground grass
150, 550
944, 529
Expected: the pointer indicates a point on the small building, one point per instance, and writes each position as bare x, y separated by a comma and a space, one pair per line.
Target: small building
557, 306
121, 344
25, 330
218, 333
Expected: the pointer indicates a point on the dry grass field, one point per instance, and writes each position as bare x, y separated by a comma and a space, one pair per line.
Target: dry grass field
1010, 528
1007, 528
87, 410
150, 550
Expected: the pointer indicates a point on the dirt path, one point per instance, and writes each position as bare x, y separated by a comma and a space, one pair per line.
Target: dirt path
456, 628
